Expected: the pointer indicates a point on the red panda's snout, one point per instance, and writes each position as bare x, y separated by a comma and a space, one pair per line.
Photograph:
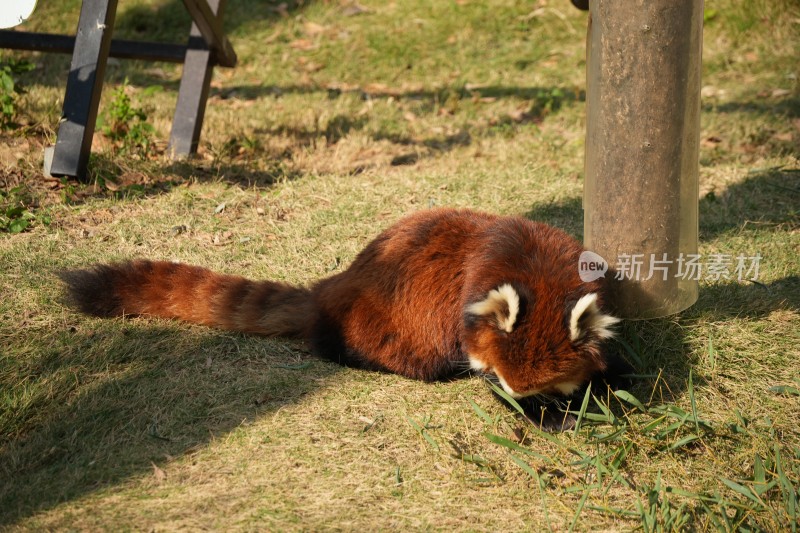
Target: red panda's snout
533, 351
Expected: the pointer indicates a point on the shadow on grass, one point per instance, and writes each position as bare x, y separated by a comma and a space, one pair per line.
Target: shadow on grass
110, 179
768, 198
169, 21
554, 97
765, 200
565, 214
341, 125
788, 107
662, 346
234, 172
336, 129
230, 165
111, 403
543, 101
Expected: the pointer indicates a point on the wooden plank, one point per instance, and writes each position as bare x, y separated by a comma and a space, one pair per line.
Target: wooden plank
84, 84
120, 48
192, 94
207, 20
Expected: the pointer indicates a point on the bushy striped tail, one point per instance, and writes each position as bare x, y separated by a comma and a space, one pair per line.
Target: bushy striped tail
191, 294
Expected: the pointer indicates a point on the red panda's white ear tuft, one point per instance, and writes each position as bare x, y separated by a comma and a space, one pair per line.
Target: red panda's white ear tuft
503, 303
587, 318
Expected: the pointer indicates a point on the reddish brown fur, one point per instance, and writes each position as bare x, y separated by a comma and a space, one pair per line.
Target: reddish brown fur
189, 293
400, 307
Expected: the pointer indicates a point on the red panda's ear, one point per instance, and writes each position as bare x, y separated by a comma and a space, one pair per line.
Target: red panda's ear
501, 303
586, 319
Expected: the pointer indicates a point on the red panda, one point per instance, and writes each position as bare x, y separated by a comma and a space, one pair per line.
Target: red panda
439, 292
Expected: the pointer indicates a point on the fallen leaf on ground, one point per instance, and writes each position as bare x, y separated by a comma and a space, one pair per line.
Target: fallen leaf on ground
302, 44
354, 9
158, 473
711, 142
312, 28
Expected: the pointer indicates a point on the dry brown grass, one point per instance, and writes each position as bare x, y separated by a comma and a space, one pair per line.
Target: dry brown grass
318, 140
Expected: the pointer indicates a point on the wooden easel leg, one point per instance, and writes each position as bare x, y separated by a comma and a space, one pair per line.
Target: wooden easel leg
193, 93
84, 84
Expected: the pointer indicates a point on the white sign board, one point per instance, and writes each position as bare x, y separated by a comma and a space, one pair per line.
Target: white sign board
14, 12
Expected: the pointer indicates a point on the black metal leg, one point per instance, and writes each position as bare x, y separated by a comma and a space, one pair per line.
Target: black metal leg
84, 84
193, 93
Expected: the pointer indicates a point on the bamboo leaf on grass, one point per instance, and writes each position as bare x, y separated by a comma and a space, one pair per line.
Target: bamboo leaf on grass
535, 475
759, 473
555, 440
692, 401
609, 437
741, 489
533, 429
507, 397
672, 428
594, 417
621, 454
474, 459
610, 418
614, 511
650, 426
511, 445
481, 413
525, 467
790, 496
630, 398
712, 353
630, 351
680, 443
785, 389
423, 430
578, 510
584, 405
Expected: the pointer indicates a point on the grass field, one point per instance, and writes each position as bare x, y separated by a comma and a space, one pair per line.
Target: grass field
341, 117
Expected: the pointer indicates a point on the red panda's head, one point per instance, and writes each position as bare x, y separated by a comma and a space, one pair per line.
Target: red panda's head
528, 317
547, 345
